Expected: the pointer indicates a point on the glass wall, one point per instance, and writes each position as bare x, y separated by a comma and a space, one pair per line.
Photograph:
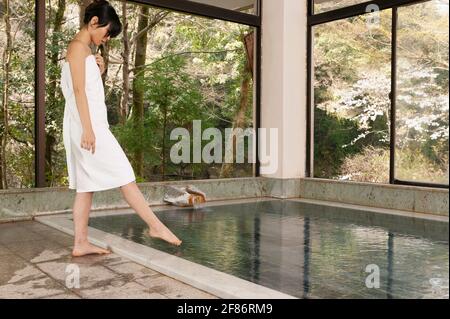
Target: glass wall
184, 72
17, 72
368, 123
351, 62
421, 149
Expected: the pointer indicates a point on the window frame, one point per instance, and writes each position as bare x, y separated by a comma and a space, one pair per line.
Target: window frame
339, 14
183, 6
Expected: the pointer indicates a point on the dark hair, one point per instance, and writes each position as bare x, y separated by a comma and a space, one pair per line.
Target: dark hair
106, 14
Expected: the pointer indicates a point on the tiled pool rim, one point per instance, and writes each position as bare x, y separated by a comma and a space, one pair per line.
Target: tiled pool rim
212, 281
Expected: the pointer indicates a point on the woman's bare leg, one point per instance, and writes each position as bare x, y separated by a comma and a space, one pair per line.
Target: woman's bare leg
81, 208
136, 200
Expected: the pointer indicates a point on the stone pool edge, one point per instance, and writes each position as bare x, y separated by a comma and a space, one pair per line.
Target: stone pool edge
201, 277
25, 204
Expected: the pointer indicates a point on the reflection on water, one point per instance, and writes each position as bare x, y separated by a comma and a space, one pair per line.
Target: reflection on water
305, 250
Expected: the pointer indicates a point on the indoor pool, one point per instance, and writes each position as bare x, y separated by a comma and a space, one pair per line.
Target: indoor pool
306, 250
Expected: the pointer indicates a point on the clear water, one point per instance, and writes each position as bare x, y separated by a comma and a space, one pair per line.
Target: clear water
306, 250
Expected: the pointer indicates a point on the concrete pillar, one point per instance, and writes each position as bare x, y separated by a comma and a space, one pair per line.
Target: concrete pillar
283, 86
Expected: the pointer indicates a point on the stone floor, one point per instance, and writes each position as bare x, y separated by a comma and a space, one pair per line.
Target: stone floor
35, 262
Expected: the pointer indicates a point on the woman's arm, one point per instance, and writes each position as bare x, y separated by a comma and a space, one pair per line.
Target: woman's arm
77, 70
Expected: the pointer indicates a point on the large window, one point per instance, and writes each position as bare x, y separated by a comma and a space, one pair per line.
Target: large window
351, 99
176, 65
17, 104
421, 148
184, 72
379, 93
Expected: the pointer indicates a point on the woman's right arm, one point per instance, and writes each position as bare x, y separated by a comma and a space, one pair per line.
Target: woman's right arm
77, 70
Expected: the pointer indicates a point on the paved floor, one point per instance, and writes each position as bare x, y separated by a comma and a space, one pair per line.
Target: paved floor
35, 262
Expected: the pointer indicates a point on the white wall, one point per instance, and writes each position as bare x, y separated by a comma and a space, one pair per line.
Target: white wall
283, 82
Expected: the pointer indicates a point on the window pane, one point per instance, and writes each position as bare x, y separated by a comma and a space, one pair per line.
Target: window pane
188, 68
328, 5
352, 74
422, 93
246, 6
17, 71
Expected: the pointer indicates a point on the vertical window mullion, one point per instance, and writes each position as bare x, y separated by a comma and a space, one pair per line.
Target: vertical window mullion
309, 93
39, 94
393, 95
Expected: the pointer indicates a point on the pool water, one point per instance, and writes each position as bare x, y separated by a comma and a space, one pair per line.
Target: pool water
306, 250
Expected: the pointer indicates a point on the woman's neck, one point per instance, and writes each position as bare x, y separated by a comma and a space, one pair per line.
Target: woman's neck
83, 36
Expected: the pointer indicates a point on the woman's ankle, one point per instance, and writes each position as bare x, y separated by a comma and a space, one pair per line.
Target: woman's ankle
81, 242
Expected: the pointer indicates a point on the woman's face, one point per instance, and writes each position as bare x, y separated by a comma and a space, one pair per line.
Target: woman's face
99, 35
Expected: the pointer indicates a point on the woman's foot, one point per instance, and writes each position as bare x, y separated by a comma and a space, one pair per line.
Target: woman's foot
88, 249
162, 232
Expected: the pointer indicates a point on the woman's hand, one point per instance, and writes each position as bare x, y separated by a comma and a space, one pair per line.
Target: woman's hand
88, 140
100, 63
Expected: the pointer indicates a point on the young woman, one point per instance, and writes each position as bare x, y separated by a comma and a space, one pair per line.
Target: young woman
95, 160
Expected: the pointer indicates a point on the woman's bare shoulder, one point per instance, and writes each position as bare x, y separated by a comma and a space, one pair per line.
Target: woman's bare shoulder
78, 49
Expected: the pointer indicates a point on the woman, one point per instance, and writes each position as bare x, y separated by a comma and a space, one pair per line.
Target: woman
95, 160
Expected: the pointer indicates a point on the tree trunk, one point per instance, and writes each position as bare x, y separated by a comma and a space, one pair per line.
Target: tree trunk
82, 5
163, 148
138, 93
126, 67
239, 117
238, 122
4, 111
50, 139
104, 52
